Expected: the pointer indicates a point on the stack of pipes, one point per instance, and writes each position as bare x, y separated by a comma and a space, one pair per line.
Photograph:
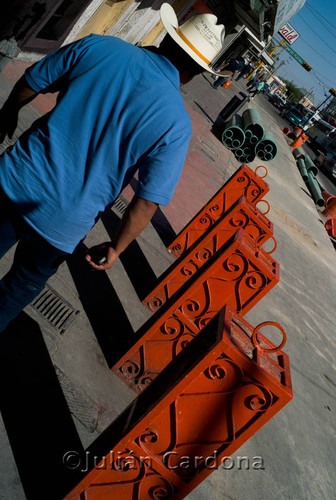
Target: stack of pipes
246, 137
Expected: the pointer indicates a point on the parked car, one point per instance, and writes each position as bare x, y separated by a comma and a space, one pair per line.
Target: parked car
276, 100
293, 116
327, 164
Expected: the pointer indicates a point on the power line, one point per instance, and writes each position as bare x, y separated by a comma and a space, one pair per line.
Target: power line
317, 52
333, 65
317, 14
317, 73
299, 15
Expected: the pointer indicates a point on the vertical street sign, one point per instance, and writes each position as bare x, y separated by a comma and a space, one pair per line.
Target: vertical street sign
294, 54
298, 58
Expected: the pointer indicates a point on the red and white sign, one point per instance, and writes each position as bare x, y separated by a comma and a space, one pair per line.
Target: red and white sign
289, 33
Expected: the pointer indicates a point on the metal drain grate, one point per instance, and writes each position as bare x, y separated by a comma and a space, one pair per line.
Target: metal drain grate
120, 205
57, 311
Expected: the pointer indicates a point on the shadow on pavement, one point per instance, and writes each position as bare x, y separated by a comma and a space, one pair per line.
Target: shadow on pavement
160, 222
133, 259
163, 228
102, 307
35, 413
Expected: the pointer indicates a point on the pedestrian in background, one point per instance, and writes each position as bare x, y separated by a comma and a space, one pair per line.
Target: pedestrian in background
259, 87
247, 69
232, 66
119, 110
252, 83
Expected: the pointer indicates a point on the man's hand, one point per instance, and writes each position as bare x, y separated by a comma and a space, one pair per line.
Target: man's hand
101, 257
136, 218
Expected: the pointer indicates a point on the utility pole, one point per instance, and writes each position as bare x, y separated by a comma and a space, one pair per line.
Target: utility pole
312, 118
278, 67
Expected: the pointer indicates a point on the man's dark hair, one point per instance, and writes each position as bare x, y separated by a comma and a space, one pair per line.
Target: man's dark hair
177, 56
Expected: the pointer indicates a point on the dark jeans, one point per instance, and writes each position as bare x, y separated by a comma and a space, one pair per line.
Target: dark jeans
219, 81
35, 260
254, 92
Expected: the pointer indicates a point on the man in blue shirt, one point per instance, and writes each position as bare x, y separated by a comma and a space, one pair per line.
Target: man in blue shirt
119, 110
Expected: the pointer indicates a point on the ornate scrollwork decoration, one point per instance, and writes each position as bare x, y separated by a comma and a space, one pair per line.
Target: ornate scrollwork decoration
147, 379
154, 486
148, 437
177, 247
255, 280
259, 402
254, 232
189, 268
161, 492
182, 343
173, 328
203, 321
204, 254
154, 303
130, 369
244, 179
252, 191
235, 266
216, 210
126, 461
205, 221
191, 308
239, 220
226, 374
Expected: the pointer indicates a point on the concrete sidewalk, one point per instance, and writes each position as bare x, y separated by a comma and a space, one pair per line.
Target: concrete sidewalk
58, 393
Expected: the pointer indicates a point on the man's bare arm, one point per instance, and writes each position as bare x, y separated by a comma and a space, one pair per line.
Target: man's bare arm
136, 218
21, 95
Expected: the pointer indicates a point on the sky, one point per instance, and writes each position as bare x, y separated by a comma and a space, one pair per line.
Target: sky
316, 24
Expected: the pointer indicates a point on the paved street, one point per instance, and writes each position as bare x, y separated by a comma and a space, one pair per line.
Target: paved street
58, 392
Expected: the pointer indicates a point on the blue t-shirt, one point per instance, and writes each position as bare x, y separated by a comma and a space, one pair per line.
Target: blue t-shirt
119, 109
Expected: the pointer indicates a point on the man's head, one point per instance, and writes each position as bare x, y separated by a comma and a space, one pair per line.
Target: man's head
186, 65
199, 40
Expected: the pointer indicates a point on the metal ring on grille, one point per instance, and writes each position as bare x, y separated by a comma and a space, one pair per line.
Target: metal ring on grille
268, 205
275, 244
261, 176
265, 349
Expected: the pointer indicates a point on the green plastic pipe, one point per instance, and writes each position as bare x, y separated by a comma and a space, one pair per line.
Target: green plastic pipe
298, 153
235, 143
266, 149
239, 154
234, 130
303, 169
254, 139
249, 158
253, 123
315, 190
311, 167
